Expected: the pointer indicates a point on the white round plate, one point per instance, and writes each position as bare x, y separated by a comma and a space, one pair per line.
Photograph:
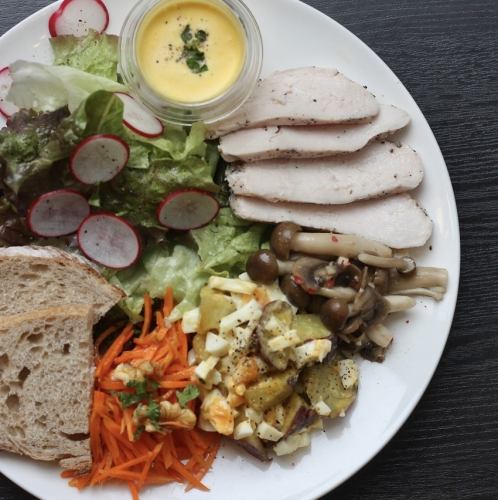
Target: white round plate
297, 35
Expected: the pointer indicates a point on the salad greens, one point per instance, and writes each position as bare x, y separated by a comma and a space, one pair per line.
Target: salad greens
73, 99
43, 87
162, 265
226, 243
95, 54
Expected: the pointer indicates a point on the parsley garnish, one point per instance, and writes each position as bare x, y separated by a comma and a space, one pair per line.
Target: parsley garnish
153, 412
192, 53
138, 433
144, 391
188, 394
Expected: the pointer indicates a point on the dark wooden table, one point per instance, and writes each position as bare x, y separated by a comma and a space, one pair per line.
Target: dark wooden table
446, 53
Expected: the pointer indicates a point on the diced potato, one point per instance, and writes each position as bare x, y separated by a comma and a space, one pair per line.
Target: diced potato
254, 446
270, 391
214, 306
292, 443
232, 285
275, 321
309, 327
191, 320
243, 430
323, 382
298, 415
312, 352
251, 311
268, 432
216, 345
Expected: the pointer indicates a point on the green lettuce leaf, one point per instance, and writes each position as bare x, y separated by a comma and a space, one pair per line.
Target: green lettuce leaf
162, 266
226, 243
96, 54
177, 160
29, 147
46, 88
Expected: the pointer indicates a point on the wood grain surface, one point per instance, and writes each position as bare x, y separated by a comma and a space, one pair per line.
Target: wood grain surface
446, 53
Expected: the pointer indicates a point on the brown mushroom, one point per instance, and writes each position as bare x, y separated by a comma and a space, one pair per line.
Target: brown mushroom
296, 295
317, 277
263, 267
287, 237
381, 281
281, 239
404, 265
334, 314
370, 306
425, 281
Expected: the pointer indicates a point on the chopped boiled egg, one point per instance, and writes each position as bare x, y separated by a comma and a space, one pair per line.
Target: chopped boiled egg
216, 345
253, 415
322, 408
205, 367
191, 320
243, 430
290, 338
348, 371
292, 443
312, 352
251, 311
216, 410
232, 285
268, 432
214, 378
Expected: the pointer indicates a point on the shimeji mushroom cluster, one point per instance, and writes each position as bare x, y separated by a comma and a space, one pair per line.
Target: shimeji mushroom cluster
351, 282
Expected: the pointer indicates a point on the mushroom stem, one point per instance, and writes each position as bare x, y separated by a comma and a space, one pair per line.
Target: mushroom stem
338, 245
402, 264
284, 267
338, 292
380, 335
431, 278
436, 293
398, 303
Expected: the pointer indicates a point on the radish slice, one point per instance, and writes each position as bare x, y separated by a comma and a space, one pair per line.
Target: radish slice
109, 240
99, 158
78, 17
57, 213
138, 119
7, 109
187, 209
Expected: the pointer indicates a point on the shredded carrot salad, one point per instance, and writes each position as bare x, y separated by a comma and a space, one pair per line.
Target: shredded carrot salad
133, 435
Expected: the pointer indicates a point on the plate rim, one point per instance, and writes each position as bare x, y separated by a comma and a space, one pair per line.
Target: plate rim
329, 484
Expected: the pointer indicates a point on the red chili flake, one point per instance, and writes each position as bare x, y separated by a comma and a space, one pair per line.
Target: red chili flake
311, 291
298, 280
330, 283
334, 239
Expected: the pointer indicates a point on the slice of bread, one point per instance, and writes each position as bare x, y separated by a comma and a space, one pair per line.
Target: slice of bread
41, 277
46, 383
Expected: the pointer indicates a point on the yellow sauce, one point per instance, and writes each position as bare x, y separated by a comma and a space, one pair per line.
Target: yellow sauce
161, 55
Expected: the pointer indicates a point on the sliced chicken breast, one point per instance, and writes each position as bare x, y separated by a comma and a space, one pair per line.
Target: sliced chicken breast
396, 221
377, 170
310, 142
301, 96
